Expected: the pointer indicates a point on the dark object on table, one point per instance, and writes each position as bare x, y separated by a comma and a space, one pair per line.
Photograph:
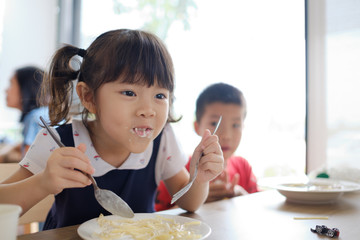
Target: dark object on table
324, 230
323, 175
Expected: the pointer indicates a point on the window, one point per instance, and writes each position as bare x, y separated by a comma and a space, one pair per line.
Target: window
27, 37
257, 46
333, 76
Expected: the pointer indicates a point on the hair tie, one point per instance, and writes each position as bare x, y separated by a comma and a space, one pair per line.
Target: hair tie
75, 75
81, 52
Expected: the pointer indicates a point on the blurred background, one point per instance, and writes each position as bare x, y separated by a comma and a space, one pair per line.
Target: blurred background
297, 63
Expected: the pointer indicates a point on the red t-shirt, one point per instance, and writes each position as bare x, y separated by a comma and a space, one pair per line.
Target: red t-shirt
235, 164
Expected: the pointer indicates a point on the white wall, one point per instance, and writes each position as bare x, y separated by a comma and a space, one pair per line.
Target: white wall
27, 36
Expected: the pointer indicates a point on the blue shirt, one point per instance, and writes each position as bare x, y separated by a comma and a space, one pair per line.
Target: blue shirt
31, 124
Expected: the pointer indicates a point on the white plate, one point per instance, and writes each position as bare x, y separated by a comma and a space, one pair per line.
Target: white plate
87, 229
317, 191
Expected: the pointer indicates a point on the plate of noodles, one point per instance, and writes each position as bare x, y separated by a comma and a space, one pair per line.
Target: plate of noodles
144, 226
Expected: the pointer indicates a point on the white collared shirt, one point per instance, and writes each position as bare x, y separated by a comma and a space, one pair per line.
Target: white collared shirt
170, 159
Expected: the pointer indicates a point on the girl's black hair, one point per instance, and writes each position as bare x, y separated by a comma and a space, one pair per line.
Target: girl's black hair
29, 79
219, 92
136, 56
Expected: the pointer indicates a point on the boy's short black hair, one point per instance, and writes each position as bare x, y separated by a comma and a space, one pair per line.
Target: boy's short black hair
219, 92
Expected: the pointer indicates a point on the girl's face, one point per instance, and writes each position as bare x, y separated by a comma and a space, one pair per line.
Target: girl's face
13, 94
131, 116
230, 129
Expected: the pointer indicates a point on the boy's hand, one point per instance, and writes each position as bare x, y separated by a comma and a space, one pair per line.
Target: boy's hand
222, 188
211, 163
60, 171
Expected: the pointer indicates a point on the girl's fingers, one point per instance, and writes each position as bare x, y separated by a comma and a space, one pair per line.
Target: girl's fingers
68, 183
82, 147
212, 147
209, 165
55, 183
62, 169
207, 160
74, 158
211, 161
71, 162
77, 152
208, 139
203, 143
198, 152
209, 143
76, 177
69, 178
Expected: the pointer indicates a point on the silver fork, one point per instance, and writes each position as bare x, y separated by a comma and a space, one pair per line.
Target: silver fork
106, 198
182, 191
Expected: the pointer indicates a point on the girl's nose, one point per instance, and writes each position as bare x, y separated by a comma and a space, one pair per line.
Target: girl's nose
146, 110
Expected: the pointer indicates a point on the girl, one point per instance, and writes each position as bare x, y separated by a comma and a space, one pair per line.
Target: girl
22, 94
126, 83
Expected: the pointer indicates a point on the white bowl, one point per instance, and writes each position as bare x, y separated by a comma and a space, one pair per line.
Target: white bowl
317, 191
9, 219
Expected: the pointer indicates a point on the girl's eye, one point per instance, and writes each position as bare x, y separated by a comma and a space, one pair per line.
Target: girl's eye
128, 93
160, 96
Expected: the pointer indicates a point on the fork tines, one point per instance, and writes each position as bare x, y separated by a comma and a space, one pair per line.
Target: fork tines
179, 194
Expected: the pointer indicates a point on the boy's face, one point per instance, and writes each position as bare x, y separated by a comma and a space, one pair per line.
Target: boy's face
230, 129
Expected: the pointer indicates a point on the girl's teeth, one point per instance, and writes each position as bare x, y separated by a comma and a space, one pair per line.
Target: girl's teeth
142, 132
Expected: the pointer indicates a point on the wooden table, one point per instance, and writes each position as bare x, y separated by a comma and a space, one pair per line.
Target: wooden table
264, 215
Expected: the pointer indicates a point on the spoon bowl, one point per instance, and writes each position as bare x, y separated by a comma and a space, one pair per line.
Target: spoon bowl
111, 202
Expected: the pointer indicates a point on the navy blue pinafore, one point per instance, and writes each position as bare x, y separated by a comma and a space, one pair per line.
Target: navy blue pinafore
76, 205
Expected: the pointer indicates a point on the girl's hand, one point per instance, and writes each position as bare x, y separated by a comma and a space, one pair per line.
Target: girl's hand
211, 163
60, 170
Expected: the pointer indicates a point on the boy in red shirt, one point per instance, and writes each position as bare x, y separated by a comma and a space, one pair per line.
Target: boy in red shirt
237, 179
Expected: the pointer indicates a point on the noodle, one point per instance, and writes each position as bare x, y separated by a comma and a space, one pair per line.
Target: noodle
159, 228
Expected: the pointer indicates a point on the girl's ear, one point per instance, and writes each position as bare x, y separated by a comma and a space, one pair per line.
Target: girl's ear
86, 96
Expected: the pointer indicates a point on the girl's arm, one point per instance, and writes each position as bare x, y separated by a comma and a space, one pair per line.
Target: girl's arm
21, 189
210, 165
25, 189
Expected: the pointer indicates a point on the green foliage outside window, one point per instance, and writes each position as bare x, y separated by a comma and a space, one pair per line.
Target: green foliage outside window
161, 14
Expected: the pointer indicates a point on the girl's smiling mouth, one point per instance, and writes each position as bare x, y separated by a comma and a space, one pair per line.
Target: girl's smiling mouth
142, 131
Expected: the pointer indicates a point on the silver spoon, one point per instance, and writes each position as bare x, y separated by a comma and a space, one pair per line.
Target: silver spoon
106, 198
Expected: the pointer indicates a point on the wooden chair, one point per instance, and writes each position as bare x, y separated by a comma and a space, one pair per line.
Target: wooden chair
38, 212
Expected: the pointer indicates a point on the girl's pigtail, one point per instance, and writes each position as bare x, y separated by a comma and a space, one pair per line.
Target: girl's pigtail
58, 86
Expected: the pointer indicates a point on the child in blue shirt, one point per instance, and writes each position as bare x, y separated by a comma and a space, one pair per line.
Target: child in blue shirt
126, 85
22, 94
